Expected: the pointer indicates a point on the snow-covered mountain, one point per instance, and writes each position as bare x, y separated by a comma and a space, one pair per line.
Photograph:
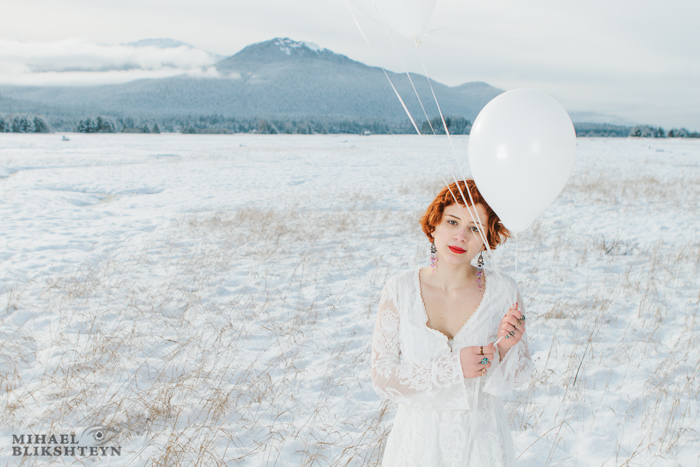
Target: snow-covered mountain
279, 50
276, 78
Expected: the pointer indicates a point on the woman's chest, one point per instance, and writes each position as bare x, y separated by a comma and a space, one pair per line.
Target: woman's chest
420, 341
448, 313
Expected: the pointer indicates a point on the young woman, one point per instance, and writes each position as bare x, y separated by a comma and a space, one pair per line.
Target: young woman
433, 347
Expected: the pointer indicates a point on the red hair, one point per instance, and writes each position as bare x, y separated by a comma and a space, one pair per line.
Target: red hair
496, 232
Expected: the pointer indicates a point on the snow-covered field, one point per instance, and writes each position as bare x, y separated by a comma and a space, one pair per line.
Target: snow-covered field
211, 299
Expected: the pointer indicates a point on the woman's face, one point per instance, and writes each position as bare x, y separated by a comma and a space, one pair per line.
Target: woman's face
456, 236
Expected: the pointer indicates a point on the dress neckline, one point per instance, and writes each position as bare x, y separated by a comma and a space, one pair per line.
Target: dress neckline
425, 310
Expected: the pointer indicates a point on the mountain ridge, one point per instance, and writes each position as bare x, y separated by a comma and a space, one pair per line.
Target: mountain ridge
277, 78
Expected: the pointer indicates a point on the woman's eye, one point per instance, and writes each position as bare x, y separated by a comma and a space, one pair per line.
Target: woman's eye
451, 222
475, 229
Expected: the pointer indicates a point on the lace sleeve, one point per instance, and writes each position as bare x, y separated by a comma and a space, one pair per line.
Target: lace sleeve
515, 369
432, 383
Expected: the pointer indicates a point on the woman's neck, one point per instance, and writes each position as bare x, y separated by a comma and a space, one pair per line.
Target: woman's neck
449, 277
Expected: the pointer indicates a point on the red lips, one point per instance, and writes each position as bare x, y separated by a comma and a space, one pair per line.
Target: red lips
457, 250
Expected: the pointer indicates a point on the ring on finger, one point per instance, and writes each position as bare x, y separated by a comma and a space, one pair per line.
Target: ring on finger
481, 350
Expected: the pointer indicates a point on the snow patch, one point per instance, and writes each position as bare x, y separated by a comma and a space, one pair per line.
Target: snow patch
314, 47
287, 46
258, 271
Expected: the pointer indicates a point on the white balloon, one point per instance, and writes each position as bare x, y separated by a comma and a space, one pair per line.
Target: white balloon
408, 18
521, 152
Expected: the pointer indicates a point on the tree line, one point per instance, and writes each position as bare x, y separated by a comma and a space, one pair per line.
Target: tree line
24, 124
647, 131
216, 124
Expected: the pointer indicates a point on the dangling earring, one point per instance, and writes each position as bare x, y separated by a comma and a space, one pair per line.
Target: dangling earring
480, 269
433, 255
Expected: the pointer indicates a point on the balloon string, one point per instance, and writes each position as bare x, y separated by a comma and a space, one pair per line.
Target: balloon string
483, 236
415, 126
475, 414
374, 50
408, 75
362, 31
515, 299
473, 206
475, 396
454, 154
516, 255
442, 117
403, 104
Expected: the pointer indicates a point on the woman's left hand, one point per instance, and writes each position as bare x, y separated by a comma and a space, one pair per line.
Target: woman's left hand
511, 328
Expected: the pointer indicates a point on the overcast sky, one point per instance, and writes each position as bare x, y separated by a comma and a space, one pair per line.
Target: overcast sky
639, 60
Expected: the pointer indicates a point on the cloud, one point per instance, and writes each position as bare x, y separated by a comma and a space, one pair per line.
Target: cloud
81, 62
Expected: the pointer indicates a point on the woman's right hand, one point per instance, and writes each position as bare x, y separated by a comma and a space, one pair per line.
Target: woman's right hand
471, 360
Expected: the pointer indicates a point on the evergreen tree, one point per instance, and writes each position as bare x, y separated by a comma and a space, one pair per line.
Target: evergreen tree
26, 125
40, 125
5, 126
676, 133
105, 125
456, 125
265, 128
22, 125
156, 129
99, 125
110, 126
646, 131
303, 128
85, 126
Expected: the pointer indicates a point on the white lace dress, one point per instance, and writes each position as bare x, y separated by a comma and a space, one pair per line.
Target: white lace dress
419, 368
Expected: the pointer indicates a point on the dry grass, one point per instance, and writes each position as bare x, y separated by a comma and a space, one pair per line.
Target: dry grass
622, 331
205, 349
243, 338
